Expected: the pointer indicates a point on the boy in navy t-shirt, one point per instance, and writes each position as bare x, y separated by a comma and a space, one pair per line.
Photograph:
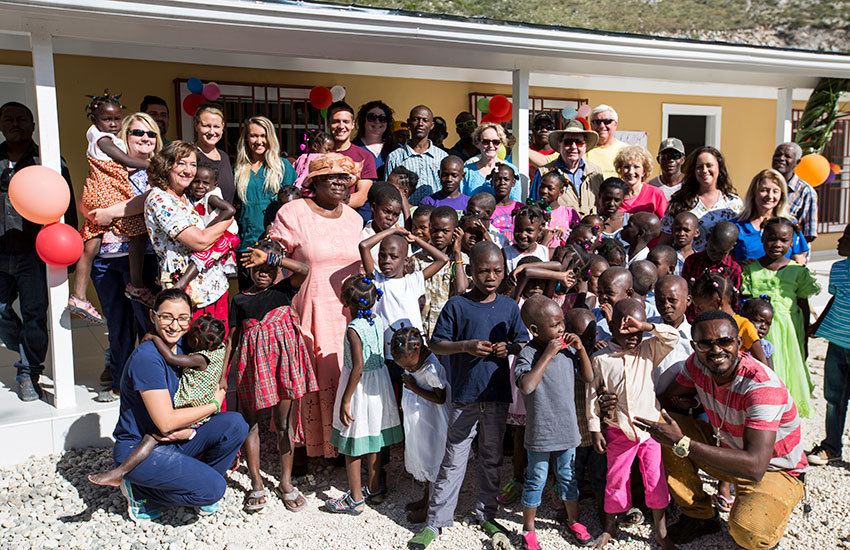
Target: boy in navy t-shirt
475, 333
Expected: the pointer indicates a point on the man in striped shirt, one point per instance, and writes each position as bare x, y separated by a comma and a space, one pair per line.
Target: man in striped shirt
752, 439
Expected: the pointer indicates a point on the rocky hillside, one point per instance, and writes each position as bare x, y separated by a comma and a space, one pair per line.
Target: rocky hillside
802, 24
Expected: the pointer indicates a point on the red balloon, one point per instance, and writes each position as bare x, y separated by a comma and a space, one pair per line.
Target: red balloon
321, 97
499, 106
59, 245
510, 114
490, 118
583, 121
191, 103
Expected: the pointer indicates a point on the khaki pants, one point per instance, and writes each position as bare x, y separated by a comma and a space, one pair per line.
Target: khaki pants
761, 510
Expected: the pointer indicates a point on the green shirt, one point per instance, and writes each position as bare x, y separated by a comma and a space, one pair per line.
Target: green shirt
258, 204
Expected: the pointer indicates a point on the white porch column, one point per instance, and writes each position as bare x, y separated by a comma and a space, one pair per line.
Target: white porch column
519, 95
783, 114
61, 351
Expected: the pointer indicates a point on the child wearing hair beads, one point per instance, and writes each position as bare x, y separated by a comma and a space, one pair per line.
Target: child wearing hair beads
426, 412
503, 179
315, 143
714, 291
273, 364
365, 413
585, 236
789, 286
108, 183
561, 218
528, 221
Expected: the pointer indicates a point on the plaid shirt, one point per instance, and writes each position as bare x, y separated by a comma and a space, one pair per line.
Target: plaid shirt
426, 165
803, 204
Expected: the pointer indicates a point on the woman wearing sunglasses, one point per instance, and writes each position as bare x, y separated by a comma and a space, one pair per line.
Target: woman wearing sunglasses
488, 138
374, 133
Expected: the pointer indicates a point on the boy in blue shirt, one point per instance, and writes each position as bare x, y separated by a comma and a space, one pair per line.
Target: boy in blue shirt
475, 333
832, 325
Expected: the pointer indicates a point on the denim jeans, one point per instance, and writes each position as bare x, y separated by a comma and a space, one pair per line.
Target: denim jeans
537, 472
836, 390
24, 277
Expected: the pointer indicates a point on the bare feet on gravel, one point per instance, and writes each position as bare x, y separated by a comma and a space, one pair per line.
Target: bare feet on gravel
111, 478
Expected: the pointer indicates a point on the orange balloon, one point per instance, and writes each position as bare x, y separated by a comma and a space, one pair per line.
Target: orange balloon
39, 194
813, 169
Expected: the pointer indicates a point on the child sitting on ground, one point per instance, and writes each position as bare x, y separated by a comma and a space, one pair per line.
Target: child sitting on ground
475, 334
108, 183
546, 371
451, 174
316, 143
425, 403
483, 205
622, 440
451, 279
561, 218
199, 384
641, 228
684, 230
365, 417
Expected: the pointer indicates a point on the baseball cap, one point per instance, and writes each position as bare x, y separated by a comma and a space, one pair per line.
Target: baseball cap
399, 125
671, 143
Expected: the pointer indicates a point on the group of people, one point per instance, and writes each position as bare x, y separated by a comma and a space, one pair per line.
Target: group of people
393, 293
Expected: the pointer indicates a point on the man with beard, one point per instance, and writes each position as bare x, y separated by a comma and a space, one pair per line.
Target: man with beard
419, 154
752, 439
341, 123
802, 198
671, 157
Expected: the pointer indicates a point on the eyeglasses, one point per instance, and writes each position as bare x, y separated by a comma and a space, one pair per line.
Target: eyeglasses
539, 127
674, 155
707, 345
491, 142
166, 319
139, 133
465, 124
605, 121
577, 142
372, 117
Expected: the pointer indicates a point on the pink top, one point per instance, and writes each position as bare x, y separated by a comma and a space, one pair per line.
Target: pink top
302, 167
650, 199
562, 218
503, 220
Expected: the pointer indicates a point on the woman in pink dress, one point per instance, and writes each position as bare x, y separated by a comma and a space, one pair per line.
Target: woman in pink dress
324, 233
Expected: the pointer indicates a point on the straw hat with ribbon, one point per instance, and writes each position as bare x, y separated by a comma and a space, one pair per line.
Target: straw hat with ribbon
333, 163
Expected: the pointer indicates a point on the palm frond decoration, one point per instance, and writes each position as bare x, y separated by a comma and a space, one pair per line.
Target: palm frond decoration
820, 114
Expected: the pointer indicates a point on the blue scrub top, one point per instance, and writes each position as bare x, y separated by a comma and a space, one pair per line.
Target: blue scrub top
749, 245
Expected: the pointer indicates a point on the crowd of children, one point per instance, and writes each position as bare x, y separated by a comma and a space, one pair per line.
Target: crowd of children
472, 314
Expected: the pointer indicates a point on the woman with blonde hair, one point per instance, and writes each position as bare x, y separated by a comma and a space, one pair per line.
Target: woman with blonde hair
209, 128
767, 197
488, 138
633, 164
260, 174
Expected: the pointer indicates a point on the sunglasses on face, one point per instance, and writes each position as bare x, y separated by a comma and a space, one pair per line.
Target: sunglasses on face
539, 127
139, 133
707, 345
372, 117
605, 121
466, 124
491, 142
674, 155
576, 142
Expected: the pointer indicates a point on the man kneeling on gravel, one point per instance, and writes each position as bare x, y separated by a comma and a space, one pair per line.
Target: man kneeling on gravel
752, 441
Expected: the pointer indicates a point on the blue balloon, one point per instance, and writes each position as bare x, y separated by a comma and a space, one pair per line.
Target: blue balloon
569, 113
195, 85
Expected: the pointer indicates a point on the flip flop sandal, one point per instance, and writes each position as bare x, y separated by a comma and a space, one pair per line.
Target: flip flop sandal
290, 499
256, 496
722, 503
237, 463
633, 517
84, 309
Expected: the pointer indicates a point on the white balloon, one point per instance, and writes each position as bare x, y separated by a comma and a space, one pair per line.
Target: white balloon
337, 93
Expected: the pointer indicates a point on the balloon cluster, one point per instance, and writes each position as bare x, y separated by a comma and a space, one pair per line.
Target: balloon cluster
322, 97
580, 114
497, 109
41, 195
198, 94
814, 169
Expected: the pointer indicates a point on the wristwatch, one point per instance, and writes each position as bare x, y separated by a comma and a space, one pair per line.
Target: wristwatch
682, 447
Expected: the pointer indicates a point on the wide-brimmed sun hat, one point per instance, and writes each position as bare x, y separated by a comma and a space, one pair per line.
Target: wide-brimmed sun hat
333, 163
573, 127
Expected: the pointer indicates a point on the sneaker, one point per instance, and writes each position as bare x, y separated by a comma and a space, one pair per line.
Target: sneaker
819, 456
209, 509
423, 538
510, 492
137, 509
27, 391
687, 529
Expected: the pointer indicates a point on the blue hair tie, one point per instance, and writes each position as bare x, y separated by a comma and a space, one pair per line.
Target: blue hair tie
363, 301
367, 280
379, 291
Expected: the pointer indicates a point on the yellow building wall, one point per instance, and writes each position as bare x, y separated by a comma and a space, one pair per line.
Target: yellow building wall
747, 133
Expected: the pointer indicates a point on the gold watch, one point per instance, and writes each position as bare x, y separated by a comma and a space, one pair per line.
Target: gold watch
682, 447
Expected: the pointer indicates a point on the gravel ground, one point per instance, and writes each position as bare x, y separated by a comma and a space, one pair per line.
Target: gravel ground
48, 503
